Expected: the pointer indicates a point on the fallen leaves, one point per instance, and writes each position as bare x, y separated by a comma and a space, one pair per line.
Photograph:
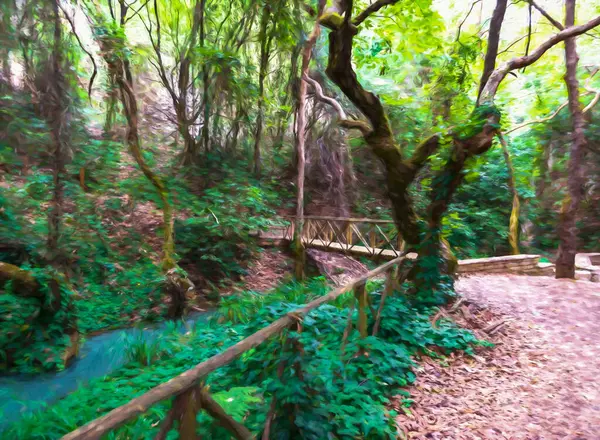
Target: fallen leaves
540, 381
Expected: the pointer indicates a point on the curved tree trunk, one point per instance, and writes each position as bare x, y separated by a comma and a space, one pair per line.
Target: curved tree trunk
299, 250
177, 284
567, 230
513, 226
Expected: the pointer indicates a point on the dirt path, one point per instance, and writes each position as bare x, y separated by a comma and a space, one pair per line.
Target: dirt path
541, 381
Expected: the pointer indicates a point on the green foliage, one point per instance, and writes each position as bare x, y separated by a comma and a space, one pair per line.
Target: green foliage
216, 238
34, 332
323, 392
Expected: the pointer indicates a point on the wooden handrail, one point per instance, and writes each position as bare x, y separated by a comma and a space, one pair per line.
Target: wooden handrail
190, 378
342, 219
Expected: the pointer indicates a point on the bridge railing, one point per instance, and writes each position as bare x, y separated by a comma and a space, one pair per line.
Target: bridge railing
187, 392
370, 237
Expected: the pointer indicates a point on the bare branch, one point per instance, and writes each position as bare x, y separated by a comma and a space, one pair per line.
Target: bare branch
587, 87
372, 8
587, 108
88, 53
538, 121
541, 10
465, 19
514, 42
491, 87
528, 33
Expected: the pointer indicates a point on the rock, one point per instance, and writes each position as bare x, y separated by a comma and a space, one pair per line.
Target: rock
72, 350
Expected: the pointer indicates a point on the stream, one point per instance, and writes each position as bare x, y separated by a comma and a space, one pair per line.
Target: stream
99, 355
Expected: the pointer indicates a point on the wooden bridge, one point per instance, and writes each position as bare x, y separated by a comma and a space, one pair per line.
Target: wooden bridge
379, 240
356, 236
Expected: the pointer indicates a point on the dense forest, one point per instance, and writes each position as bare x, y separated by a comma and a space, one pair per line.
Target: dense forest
145, 144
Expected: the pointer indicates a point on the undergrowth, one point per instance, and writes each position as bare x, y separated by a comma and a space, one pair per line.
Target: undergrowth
34, 331
323, 392
111, 239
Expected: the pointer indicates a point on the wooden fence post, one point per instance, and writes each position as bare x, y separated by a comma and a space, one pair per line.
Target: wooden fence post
348, 235
372, 239
400, 244
187, 405
360, 292
210, 405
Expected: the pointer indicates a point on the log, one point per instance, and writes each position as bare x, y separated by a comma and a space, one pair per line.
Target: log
24, 282
118, 416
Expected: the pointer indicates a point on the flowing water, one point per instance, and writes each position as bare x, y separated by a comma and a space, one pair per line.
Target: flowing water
99, 356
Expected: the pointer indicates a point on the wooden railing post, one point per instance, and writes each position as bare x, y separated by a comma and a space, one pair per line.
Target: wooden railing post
348, 235
186, 406
360, 292
210, 405
372, 238
400, 244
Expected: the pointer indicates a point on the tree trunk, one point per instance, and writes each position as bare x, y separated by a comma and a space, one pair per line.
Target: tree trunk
567, 230
177, 284
111, 108
264, 64
6, 75
56, 112
205, 135
300, 254
513, 226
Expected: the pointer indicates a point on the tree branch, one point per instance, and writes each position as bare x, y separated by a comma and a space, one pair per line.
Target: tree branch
491, 54
465, 19
372, 8
541, 10
538, 121
491, 87
319, 92
424, 150
587, 87
88, 53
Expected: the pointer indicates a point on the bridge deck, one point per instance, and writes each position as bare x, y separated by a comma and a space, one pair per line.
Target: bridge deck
353, 249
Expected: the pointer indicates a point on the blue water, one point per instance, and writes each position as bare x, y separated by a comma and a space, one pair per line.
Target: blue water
99, 356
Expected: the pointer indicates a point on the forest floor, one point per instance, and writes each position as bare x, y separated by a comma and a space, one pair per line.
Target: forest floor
540, 381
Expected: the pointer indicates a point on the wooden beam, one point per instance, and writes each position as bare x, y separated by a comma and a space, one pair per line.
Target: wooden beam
188, 379
346, 219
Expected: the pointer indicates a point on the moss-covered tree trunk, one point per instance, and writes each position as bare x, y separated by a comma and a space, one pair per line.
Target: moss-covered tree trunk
263, 39
55, 109
177, 284
513, 226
